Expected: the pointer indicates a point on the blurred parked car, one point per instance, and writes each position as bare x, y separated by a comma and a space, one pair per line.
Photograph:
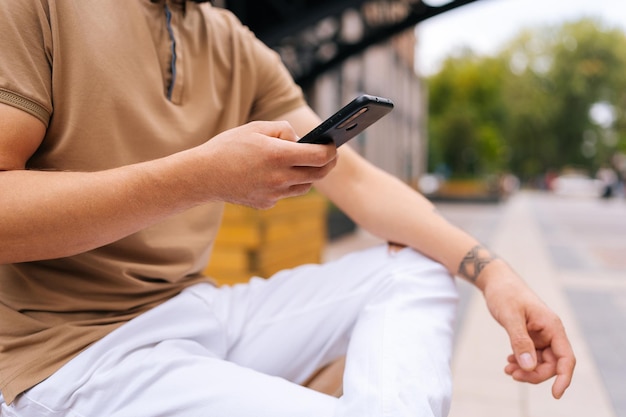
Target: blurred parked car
577, 185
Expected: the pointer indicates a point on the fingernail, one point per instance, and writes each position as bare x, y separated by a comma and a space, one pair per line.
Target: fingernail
526, 361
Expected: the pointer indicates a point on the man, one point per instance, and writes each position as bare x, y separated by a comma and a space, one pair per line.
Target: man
123, 129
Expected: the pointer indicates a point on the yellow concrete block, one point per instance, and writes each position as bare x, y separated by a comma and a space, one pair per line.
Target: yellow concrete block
261, 242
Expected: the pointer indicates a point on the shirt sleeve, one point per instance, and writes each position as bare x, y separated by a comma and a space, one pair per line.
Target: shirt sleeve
26, 57
275, 92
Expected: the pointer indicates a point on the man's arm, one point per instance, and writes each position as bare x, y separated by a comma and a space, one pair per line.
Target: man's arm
48, 214
388, 208
385, 206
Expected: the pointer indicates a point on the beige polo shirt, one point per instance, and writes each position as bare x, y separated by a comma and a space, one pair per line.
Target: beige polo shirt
116, 84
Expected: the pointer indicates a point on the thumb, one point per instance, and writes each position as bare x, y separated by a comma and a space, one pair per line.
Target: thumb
523, 347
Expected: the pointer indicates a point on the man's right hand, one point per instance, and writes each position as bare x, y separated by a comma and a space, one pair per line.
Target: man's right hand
259, 163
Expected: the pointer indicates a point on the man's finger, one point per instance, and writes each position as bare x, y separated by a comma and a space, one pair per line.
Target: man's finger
309, 155
562, 355
563, 379
523, 346
566, 361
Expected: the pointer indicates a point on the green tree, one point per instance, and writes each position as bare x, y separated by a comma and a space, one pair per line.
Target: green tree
466, 115
560, 78
553, 97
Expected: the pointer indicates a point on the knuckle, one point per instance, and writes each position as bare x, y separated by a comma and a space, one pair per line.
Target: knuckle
265, 202
254, 125
266, 205
323, 172
520, 341
300, 189
275, 181
284, 124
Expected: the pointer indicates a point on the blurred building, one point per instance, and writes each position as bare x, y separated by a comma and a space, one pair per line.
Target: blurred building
397, 143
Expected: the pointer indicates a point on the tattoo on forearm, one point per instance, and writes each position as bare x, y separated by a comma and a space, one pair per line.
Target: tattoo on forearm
474, 262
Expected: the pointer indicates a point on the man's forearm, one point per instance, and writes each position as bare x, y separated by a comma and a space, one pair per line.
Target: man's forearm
54, 214
391, 210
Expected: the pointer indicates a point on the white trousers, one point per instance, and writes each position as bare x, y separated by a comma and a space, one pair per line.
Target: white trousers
243, 351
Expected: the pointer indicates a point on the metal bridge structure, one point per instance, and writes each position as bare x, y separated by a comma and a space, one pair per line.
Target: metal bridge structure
313, 36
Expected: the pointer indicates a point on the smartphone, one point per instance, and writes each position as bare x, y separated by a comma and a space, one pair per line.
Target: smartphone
351, 120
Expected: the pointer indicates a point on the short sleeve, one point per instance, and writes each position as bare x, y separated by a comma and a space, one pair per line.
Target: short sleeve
26, 57
275, 92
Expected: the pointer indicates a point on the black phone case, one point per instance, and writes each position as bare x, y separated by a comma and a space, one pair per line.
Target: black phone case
351, 120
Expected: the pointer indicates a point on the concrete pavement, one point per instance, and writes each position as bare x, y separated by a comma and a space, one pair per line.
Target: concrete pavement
571, 252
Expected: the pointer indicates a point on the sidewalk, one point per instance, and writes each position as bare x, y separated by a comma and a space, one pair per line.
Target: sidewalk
481, 387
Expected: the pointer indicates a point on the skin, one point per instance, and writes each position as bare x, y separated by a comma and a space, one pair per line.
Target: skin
56, 214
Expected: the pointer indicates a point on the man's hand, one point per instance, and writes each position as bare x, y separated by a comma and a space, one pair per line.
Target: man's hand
260, 163
541, 348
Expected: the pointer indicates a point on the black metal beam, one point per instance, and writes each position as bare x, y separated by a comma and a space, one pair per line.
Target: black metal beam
295, 27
